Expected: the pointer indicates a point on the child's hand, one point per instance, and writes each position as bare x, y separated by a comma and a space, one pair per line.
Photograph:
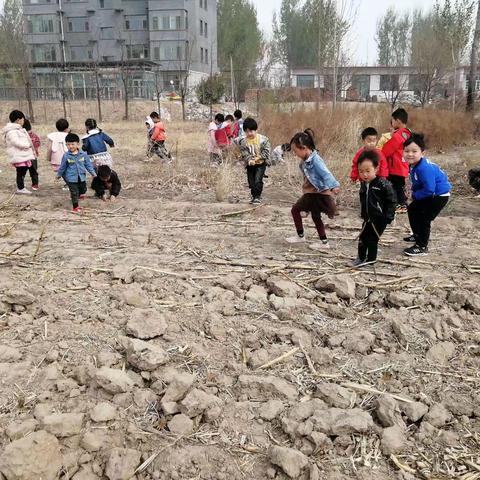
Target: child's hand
336, 190
251, 163
113, 198
104, 197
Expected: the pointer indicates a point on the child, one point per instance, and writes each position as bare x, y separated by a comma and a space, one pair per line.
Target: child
238, 125
158, 137
255, 154
213, 148
319, 188
474, 180
106, 184
57, 147
278, 154
378, 202
393, 151
385, 137
95, 144
369, 138
75, 164
430, 193
20, 150
33, 170
229, 126
223, 134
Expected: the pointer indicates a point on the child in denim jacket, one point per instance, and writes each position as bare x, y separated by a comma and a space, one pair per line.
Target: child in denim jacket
319, 188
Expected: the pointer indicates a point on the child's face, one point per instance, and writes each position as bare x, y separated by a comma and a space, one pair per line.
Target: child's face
73, 147
301, 152
105, 179
367, 171
396, 124
370, 142
412, 153
20, 121
251, 134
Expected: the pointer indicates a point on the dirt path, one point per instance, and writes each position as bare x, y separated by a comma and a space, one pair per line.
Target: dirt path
135, 334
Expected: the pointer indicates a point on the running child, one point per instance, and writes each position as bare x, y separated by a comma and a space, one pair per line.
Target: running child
319, 189
378, 202
95, 144
255, 155
33, 170
106, 184
393, 151
369, 138
158, 137
56, 146
75, 164
20, 150
430, 193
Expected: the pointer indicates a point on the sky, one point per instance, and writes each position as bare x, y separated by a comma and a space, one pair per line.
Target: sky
363, 32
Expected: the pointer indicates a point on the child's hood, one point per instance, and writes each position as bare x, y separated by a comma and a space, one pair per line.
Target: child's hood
90, 133
10, 127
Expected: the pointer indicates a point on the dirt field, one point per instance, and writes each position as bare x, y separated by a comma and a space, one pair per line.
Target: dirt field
166, 337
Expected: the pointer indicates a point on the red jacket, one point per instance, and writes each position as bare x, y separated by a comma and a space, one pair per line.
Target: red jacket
35, 141
222, 136
393, 151
382, 166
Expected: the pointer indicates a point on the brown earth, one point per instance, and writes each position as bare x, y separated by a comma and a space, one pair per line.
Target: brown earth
135, 333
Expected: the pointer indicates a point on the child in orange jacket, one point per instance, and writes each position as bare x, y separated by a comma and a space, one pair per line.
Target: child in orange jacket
369, 138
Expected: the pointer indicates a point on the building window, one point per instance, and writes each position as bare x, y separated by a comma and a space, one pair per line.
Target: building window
172, 51
206, 55
201, 3
205, 4
80, 53
206, 29
102, 3
169, 22
137, 52
389, 83
136, 22
78, 24
106, 33
44, 53
39, 2
201, 55
40, 24
305, 81
201, 27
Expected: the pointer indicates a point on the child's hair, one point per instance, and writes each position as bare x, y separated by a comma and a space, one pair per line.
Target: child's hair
250, 124
286, 147
104, 171
61, 124
90, 124
237, 114
219, 117
154, 115
304, 139
369, 132
230, 117
16, 115
27, 125
400, 114
72, 138
417, 139
369, 155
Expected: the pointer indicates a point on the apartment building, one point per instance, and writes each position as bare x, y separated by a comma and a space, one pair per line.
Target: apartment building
157, 39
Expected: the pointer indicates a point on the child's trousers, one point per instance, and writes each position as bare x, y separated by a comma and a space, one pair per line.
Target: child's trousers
21, 172
33, 170
421, 214
398, 184
76, 189
255, 174
368, 241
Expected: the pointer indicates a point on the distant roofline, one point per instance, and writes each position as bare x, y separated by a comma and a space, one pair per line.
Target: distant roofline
369, 67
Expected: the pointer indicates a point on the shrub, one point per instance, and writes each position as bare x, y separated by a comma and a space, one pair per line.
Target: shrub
210, 90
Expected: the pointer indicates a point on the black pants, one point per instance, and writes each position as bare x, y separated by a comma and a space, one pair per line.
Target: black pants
369, 238
21, 172
77, 189
33, 170
255, 174
421, 214
398, 184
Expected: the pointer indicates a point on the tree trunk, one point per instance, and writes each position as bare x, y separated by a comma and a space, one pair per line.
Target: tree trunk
473, 64
184, 116
99, 99
125, 94
158, 103
64, 103
28, 94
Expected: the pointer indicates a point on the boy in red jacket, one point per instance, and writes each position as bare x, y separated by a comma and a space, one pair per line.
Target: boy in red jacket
393, 150
369, 138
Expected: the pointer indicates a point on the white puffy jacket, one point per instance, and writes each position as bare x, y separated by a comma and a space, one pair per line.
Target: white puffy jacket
19, 145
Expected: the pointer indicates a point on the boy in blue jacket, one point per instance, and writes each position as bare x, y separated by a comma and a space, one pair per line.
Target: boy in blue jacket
430, 193
319, 189
75, 164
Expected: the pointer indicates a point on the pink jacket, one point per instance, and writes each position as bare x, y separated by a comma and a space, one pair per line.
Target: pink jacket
19, 145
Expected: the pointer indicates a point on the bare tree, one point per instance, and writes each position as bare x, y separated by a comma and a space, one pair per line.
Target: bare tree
396, 87
14, 48
473, 64
184, 84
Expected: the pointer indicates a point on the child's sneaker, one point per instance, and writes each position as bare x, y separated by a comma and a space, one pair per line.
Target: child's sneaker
82, 197
358, 262
256, 201
321, 245
295, 239
410, 239
416, 251
23, 191
35, 187
76, 210
65, 188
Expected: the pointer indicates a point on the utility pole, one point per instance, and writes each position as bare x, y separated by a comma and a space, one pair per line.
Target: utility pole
473, 64
232, 81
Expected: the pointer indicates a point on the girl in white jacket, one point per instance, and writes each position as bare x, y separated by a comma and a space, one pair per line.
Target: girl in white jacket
20, 150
